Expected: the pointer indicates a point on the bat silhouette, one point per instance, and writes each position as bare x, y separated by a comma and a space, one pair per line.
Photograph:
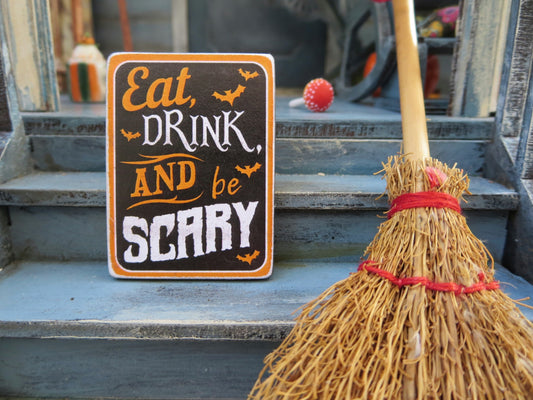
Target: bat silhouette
247, 170
130, 135
229, 96
247, 74
248, 258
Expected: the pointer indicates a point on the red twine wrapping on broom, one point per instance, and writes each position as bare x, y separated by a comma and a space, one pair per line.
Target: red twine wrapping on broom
423, 199
432, 200
453, 287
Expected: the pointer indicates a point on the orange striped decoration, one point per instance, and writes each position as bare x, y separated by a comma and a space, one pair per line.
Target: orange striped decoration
84, 83
94, 85
74, 84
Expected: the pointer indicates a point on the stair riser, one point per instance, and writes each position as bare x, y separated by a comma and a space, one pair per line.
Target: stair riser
293, 156
72, 233
352, 123
439, 127
128, 369
360, 157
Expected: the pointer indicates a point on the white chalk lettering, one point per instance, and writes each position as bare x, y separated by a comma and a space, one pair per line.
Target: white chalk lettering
245, 218
193, 145
165, 221
193, 229
131, 237
147, 125
204, 229
217, 217
215, 129
230, 124
213, 132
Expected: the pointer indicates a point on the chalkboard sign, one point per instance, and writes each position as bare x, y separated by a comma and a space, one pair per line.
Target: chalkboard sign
190, 165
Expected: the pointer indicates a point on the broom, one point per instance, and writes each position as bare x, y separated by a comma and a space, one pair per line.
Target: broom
422, 318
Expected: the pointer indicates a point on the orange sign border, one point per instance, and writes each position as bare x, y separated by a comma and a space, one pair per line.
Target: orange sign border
265, 61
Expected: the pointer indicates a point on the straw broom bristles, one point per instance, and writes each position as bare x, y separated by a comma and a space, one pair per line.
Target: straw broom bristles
367, 338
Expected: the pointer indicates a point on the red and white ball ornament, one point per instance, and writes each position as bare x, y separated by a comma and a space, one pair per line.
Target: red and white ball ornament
318, 96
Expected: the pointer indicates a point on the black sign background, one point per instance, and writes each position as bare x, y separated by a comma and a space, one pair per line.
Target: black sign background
228, 160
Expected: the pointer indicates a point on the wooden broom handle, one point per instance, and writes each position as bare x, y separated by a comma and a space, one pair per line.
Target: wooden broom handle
415, 137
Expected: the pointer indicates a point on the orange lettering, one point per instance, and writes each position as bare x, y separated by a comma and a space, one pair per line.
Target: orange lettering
126, 99
184, 182
158, 92
141, 186
167, 178
232, 189
215, 191
151, 102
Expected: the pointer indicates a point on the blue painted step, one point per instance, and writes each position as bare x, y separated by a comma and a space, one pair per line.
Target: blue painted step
67, 329
70, 330
342, 119
293, 155
61, 215
349, 138
302, 191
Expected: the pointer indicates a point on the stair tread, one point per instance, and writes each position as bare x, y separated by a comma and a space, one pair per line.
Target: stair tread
342, 119
55, 188
49, 299
80, 299
291, 191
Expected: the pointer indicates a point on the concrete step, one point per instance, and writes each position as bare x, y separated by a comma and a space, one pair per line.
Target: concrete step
70, 330
61, 215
